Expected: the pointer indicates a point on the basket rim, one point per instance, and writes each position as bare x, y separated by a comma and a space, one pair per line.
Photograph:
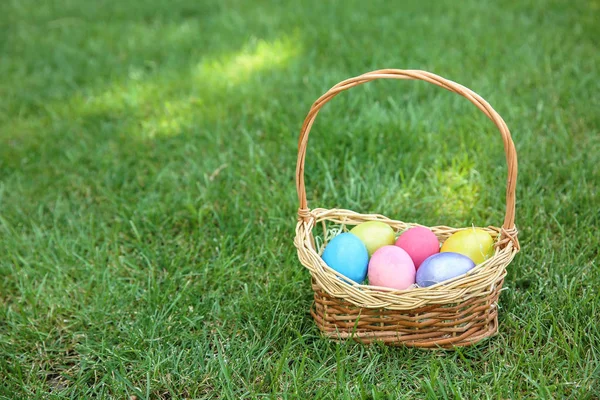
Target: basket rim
479, 281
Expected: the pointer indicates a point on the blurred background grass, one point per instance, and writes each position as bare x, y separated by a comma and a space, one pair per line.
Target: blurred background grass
147, 201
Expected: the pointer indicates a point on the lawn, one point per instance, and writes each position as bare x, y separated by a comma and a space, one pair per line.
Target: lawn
148, 204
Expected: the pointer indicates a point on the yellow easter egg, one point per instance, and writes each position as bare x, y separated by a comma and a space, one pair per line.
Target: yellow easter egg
474, 243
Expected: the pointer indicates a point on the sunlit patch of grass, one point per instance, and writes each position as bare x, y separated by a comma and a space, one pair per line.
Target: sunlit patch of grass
458, 191
257, 55
440, 194
211, 76
171, 119
165, 105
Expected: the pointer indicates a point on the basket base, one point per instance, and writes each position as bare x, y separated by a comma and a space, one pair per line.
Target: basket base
435, 326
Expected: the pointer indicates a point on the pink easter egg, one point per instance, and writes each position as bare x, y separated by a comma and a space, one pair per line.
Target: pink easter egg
419, 243
391, 267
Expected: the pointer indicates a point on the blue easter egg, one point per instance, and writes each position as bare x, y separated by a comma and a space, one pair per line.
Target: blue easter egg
441, 267
348, 255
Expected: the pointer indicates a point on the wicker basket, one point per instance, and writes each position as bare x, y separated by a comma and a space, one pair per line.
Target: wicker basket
458, 312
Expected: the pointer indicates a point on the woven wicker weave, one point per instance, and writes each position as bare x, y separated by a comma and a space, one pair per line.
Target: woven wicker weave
458, 312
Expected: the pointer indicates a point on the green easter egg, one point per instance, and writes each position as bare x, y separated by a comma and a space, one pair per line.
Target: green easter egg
374, 234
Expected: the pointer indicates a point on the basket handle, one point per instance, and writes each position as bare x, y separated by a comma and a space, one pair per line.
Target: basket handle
508, 231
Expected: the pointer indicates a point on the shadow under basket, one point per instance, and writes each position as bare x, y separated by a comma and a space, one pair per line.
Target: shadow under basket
458, 312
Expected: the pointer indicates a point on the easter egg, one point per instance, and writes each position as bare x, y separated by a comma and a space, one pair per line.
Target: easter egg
474, 243
374, 234
347, 254
441, 267
419, 243
391, 267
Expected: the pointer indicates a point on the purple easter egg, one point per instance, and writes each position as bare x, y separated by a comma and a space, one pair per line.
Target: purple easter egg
441, 267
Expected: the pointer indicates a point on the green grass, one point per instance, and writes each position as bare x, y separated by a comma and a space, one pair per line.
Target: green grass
147, 202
